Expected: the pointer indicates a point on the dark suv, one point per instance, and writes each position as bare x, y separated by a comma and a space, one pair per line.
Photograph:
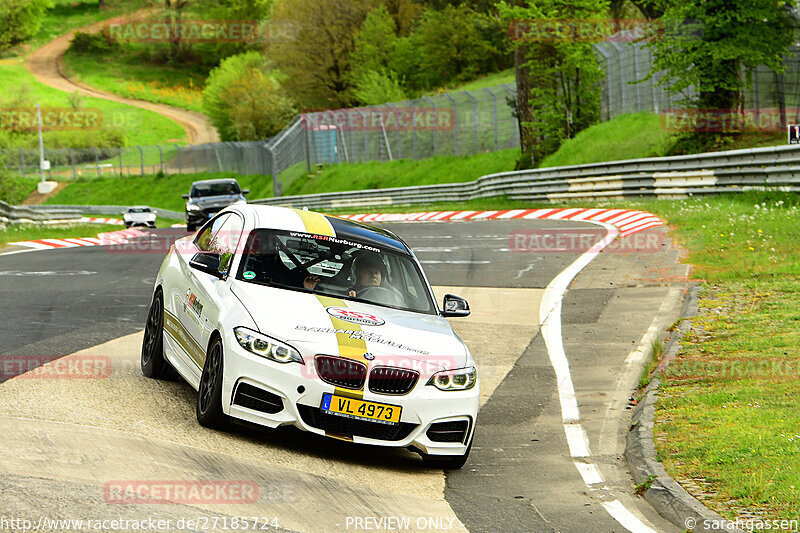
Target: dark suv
208, 197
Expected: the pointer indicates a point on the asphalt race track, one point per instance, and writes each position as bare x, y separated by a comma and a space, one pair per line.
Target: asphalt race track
67, 439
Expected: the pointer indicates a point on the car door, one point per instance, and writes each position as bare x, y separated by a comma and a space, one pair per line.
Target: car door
190, 302
206, 294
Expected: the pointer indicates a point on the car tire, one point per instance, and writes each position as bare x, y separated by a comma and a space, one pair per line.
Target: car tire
209, 393
153, 363
446, 462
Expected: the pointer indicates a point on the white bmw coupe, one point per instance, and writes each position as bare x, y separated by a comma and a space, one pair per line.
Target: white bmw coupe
286, 317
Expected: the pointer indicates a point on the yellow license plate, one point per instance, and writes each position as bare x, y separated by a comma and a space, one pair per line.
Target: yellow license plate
360, 409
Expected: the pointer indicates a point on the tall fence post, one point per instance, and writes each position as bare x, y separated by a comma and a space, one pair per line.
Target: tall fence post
141, 160
399, 149
96, 160
455, 122
494, 118
72, 162
414, 128
435, 125
119, 153
474, 119
22, 161
308, 142
178, 158
276, 189
160, 158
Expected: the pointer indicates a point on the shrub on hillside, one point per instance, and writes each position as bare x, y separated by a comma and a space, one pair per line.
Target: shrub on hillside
91, 43
244, 99
20, 20
14, 189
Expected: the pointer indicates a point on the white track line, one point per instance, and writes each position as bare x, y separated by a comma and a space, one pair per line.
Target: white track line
577, 440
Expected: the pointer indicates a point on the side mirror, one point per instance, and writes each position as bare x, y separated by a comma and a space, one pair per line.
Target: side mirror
453, 306
185, 196
246, 191
208, 263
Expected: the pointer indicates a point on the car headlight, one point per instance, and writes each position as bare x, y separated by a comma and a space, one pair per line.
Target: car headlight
193, 207
461, 379
266, 346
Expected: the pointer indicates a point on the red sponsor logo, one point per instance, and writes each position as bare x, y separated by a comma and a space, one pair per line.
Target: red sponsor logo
185, 31
53, 119
182, 492
583, 30
723, 120
581, 240
55, 367
356, 317
382, 119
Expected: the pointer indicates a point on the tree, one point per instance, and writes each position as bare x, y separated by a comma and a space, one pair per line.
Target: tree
558, 92
20, 19
454, 44
315, 49
257, 106
244, 99
732, 38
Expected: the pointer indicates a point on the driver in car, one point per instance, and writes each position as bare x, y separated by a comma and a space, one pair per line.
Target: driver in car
368, 271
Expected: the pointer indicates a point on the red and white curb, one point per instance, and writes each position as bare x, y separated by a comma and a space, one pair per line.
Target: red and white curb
626, 221
95, 220
102, 239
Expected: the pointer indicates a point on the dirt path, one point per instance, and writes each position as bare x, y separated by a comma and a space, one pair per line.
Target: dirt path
46, 64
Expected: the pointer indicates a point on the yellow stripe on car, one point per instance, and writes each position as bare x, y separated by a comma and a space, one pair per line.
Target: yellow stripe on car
348, 347
315, 223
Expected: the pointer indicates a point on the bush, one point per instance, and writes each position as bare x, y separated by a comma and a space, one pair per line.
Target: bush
20, 20
244, 99
376, 88
91, 44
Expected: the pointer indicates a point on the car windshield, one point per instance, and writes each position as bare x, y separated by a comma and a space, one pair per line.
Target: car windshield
139, 210
214, 189
335, 267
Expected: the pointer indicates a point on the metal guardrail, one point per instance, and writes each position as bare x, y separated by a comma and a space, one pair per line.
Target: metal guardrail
663, 177
101, 210
10, 214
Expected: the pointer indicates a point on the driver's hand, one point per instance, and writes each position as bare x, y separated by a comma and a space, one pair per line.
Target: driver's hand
352, 293
311, 281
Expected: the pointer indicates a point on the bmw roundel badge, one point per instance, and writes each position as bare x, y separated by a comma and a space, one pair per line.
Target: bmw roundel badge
368, 356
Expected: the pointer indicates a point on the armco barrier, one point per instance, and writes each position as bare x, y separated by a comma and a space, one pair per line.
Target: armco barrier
13, 215
662, 177
101, 210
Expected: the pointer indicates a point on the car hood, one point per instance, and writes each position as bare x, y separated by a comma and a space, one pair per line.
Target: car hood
207, 202
139, 216
393, 337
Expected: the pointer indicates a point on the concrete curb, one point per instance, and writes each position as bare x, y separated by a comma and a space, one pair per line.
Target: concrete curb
665, 494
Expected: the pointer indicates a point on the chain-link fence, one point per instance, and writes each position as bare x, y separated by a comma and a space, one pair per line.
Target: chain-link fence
458, 123
775, 97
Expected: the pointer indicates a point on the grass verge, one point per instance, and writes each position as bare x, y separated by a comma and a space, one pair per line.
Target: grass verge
126, 74
19, 89
402, 173
28, 232
162, 191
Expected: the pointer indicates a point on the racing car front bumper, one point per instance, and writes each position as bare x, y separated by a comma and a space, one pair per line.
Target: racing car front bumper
272, 394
